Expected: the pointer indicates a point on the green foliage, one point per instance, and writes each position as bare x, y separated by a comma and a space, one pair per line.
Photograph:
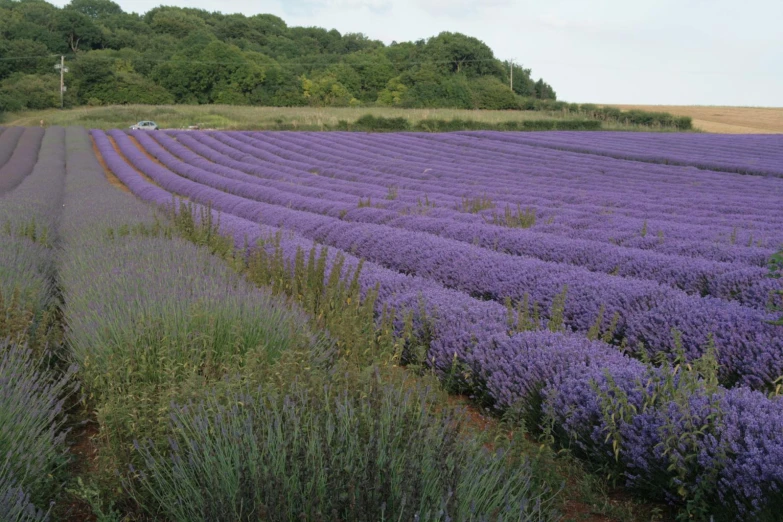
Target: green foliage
492, 94
611, 114
475, 205
205, 57
670, 386
109, 78
358, 452
514, 218
32, 92
371, 123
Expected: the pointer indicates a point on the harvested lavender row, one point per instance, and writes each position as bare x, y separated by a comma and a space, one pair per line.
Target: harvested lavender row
22, 161
751, 154
645, 311
28, 220
750, 286
32, 436
8, 140
397, 290
135, 283
733, 244
515, 369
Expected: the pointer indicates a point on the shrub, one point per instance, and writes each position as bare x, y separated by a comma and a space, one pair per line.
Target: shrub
371, 452
492, 94
32, 437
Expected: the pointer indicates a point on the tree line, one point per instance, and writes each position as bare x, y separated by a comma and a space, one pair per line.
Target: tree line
191, 56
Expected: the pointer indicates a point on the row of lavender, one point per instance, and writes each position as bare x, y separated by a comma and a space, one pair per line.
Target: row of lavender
746, 284
726, 242
32, 393
18, 155
529, 370
640, 311
598, 205
746, 154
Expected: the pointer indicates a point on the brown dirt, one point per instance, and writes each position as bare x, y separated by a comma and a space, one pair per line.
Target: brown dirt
82, 446
573, 509
724, 120
114, 180
144, 151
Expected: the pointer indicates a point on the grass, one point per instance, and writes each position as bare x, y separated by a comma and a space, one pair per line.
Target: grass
228, 117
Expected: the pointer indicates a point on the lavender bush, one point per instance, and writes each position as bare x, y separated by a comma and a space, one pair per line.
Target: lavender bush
32, 437
22, 161
381, 453
150, 318
685, 439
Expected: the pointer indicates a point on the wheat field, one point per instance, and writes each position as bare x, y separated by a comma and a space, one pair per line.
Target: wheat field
724, 120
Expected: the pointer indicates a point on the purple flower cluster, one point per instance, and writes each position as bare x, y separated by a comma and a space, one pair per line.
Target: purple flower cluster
750, 352
32, 436
738, 432
746, 154
548, 375
748, 285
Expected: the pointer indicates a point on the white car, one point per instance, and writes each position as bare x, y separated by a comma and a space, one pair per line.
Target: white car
145, 125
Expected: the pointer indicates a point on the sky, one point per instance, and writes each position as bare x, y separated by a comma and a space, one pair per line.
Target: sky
664, 52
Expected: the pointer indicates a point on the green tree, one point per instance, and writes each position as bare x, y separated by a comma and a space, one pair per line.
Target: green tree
175, 22
458, 53
32, 92
209, 70
393, 94
544, 91
325, 90
95, 9
373, 69
23, 56
492, 94
108, 78
524, 85
78, 29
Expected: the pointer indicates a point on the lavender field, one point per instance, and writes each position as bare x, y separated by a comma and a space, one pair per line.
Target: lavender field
609, 291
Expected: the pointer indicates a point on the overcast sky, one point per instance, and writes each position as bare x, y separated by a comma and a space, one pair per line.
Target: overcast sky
687, 52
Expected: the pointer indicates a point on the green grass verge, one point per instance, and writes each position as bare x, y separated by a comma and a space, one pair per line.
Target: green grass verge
228, 117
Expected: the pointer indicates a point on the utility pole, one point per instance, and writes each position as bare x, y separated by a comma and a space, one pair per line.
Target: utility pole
63, 69
511, 77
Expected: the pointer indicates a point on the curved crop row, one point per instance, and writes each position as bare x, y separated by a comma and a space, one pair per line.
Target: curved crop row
22, 161
750, 286
526, 370
645, 311
676, 238
460, 161
753, 154
33, 449
463, 159
8, 140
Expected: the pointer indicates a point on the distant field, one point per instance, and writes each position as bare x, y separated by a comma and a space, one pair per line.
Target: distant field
724, 120
230, 117
226, 117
